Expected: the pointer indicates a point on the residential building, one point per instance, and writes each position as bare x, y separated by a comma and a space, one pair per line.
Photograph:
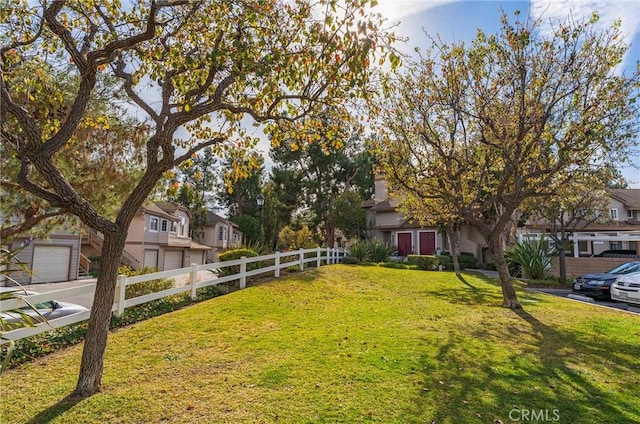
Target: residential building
221, 234
54, 259
158, 237
620, 231
393, 227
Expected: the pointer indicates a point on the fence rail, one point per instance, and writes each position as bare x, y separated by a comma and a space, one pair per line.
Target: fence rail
281, 260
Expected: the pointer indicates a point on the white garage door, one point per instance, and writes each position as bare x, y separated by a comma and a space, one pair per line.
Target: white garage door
151, 258
51, 264
172, 260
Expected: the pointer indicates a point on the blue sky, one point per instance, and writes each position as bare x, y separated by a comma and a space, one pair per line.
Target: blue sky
459, 20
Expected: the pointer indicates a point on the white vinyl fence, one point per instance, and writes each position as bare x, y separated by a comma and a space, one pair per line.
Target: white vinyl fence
281, 260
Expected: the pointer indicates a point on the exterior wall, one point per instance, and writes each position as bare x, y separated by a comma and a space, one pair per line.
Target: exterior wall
62, 239
619, 206
580, 266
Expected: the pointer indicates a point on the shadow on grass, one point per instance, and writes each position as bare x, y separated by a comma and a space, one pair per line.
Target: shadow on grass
54, 411
526, 367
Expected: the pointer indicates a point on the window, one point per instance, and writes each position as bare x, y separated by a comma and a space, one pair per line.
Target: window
614, 214
153, 224
220, 233
629, 214
163, 225
613, 245
182, 225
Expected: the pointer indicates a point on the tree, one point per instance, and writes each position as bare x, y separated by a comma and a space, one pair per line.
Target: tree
195, 66
327, 157
347, 214
482, 128
193, 200
242, 184
575, 206
106, 149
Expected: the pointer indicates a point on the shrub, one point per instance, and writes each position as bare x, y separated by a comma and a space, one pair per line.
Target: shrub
531, 256
394, 265
145, 287
360, 251
424, 262
380, 252
349, 260
234, 254
466, 260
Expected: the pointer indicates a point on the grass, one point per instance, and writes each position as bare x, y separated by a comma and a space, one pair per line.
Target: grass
351, 344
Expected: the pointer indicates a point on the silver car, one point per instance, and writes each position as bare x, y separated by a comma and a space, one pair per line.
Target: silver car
626, 288
40, 312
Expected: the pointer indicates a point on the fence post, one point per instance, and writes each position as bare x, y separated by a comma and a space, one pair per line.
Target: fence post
122, 288
318, 253
194, 280
328, 255
277, 271
301, 259
243, 272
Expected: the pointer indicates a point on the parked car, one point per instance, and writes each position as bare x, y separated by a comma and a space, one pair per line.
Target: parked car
599, 285
618, 253
48, 310
626, 288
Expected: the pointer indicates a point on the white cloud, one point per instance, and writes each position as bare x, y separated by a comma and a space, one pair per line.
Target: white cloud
394, 10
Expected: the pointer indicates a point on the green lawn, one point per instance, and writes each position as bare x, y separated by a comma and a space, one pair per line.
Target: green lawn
352, 344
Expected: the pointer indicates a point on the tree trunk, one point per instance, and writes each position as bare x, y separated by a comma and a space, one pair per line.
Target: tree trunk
496, 248
91, 367
562, 263
453, 232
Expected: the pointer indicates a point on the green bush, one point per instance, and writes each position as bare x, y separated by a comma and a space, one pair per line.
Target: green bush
424, 262
349, 260
380, 252
395, 265
145, 287
466, 260
530, 256
234, 254
360, 251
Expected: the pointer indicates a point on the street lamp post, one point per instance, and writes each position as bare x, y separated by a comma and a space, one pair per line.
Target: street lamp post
260, 203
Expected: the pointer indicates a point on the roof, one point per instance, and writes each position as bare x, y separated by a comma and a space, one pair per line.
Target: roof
630, 197
153, 209
213, 219
172, 207
384, 206
198, 246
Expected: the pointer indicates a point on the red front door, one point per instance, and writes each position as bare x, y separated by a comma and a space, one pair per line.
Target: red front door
404, 244
427, 243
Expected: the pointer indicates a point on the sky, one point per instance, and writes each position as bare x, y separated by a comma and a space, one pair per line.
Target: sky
456, 20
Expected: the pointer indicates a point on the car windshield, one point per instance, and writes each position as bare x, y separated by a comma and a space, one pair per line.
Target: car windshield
626, 268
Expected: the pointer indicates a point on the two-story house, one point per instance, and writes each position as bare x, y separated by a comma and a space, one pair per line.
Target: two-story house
159, 237
393, 227
221, 234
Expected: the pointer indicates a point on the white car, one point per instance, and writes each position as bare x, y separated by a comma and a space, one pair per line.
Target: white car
626, 288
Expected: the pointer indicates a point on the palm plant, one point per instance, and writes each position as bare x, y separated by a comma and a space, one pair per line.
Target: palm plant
531, 256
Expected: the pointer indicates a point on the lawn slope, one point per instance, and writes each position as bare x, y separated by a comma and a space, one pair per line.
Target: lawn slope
352, 344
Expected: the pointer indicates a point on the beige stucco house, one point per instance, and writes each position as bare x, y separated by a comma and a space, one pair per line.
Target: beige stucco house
158, 237
393, 227
221, 234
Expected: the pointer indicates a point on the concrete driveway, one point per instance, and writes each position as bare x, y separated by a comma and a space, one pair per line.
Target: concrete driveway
85, 300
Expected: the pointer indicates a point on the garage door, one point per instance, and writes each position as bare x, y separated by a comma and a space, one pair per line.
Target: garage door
51, 264
151, 258
172, 260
